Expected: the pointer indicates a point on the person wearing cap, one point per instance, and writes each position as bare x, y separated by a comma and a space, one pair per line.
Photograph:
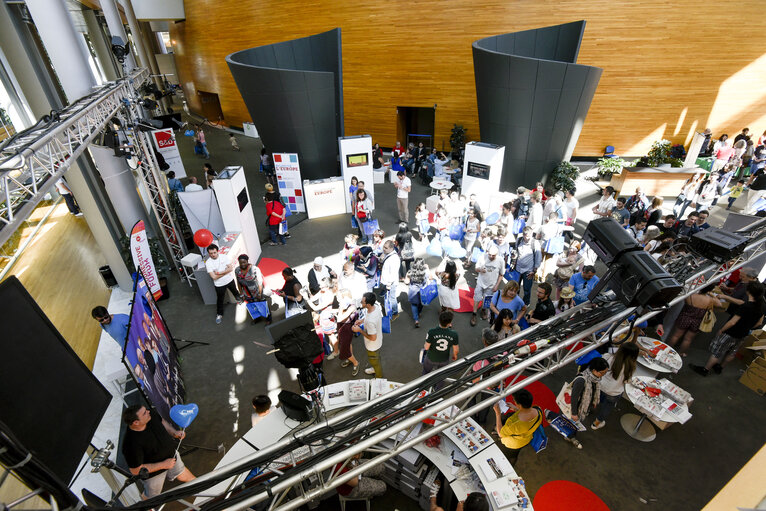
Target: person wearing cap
320, 275
489, 278
566, 301
736, 294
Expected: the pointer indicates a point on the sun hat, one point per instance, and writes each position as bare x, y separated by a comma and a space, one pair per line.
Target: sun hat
567, 292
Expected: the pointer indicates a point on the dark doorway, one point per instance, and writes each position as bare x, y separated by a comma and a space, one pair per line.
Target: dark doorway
211, 106
415, 124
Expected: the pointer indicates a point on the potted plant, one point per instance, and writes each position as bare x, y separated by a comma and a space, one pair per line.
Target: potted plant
457, 141
607, 167
564, 176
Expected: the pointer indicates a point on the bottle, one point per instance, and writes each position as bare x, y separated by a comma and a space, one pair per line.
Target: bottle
525, 347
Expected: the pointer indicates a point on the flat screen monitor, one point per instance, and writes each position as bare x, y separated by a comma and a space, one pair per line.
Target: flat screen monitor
242, 199
356, 160
150, 354
478, 170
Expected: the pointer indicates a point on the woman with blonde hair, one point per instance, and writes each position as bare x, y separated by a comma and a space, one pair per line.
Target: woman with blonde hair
654, 213
508, 299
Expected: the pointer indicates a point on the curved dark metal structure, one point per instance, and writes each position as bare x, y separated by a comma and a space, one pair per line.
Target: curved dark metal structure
294, 93
533, 98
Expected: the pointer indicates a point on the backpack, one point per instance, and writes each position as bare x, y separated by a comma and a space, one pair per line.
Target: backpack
408, 252
298, 347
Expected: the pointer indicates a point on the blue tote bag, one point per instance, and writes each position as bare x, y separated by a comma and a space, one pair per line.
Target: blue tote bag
258, 309
429, 292
370, 226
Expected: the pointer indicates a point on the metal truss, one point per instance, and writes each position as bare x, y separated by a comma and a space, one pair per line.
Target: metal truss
31, 163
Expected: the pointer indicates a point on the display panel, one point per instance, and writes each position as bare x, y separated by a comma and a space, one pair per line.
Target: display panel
150, 354
242, 199
478, 170
49, 398
356, 160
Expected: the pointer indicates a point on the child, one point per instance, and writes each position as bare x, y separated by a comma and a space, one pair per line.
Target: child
233, 141
735, 191
262, 407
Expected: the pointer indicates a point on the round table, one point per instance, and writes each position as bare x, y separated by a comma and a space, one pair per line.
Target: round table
451, 172
651, 364
437, 184
637, 426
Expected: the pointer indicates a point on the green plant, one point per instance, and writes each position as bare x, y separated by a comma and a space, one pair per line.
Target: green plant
457, 139
161, 263
564, 176
610, 166
659, 153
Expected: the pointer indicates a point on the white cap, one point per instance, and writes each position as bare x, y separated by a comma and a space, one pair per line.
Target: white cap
318, 261
493, 249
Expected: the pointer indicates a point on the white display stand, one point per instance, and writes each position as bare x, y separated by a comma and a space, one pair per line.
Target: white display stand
351, 146
236, 208
249, 129
324, 197
486, 158
288, 171
165, 143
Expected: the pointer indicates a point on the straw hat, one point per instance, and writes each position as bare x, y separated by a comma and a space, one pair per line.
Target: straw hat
567, 293
269, 187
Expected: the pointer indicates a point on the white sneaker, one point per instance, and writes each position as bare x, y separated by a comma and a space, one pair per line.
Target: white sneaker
597, 424
218, 319
331, 356
369, 370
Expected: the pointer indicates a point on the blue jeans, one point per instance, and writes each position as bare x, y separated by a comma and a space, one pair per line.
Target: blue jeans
732, 200
606, 405
204, 150
274, 234
526, 283
415, 303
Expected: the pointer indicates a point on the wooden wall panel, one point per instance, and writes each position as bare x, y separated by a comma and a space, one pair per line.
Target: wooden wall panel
667, 69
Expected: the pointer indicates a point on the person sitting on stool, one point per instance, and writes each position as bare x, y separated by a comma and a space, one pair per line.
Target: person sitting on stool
364, 486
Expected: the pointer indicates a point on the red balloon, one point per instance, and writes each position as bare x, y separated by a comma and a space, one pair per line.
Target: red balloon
203, 238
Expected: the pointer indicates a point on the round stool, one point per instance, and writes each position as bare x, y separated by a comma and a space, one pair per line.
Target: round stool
557, 495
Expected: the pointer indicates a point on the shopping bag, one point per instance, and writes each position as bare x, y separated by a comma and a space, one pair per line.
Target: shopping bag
492, 218
424, 226
354, 223
476, 254
518, 225
511, 274
258, 309
564, 399
539, 439
370, 226
554, 245
288, 212
283, 227
189, 133
386, 324
456, 232
429, 292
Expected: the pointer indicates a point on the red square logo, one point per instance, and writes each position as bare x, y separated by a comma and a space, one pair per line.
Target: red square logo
298, 193
278, 158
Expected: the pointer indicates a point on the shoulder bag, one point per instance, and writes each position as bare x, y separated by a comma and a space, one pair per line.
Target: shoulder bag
708, 321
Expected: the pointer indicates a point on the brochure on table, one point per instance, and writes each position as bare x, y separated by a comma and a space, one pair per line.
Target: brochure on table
356, 161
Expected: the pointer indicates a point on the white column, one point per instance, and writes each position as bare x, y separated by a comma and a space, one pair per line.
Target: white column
103, 51
135, 31
61, 42
114, 22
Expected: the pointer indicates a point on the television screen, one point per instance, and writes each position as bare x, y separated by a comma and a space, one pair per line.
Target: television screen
242, 199
478, 170
150, 355
356, 160
49, 399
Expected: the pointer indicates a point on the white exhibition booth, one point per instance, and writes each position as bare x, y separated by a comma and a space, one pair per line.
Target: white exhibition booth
236, 209
324, 197
356, 161
482, 171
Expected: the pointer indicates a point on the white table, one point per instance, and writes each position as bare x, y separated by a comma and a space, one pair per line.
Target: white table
438, 184
653, 368
635, 425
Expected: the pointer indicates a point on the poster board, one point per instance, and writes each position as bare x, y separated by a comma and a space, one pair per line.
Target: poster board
356, 161
150, 354
288, 172
166, 145
482, 171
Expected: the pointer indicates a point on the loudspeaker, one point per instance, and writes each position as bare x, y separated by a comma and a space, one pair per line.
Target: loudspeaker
296, 407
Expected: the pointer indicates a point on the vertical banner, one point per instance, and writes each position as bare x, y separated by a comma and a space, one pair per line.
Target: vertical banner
165, 143
289, 178
142, 258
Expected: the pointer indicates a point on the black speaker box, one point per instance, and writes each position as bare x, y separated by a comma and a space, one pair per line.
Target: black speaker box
296, 407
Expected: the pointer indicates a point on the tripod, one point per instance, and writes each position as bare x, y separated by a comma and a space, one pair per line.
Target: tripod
188, 344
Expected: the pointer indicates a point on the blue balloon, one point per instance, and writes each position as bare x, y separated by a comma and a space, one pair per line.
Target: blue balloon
183, 415
434, 248
493, 218
457, 252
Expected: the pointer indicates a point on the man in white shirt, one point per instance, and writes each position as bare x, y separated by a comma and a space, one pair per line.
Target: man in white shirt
193, 186
403, 187
535, 220
490, 277
372, 333
353, 281
221, 270
389, 275
606, 204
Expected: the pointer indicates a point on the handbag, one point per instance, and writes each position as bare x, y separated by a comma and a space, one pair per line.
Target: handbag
386, 324
354, 223
708, 321
564, 399
511, 274
555, 245
429, 292
539, 438
370, 226
456, 232
518, 225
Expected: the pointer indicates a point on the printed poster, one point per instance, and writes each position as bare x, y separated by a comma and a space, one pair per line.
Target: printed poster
289, 179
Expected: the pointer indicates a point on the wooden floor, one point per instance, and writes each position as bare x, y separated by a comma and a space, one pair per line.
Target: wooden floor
60, 270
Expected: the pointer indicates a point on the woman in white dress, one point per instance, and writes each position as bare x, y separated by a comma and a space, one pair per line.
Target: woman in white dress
449, 296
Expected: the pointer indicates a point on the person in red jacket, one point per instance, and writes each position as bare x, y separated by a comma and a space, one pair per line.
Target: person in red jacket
276, 213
